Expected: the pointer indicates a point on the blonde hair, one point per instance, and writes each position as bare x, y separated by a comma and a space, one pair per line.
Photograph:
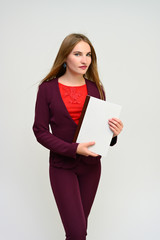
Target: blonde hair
65, 49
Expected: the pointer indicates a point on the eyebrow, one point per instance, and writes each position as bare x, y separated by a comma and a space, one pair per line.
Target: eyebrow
80, 52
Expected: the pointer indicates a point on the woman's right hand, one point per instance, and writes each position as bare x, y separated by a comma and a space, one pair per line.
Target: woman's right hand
82, 149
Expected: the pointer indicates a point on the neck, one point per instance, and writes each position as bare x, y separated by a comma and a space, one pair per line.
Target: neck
72, 79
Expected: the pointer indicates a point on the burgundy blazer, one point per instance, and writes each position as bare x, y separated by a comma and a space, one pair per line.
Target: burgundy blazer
50, 110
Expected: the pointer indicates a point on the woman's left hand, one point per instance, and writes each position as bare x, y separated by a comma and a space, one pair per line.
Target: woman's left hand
115, 125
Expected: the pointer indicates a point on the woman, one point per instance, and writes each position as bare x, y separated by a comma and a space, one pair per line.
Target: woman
74, 169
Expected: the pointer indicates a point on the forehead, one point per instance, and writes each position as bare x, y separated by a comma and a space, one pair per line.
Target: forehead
82, 47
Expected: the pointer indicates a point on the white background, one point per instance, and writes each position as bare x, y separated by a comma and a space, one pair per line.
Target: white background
126, 36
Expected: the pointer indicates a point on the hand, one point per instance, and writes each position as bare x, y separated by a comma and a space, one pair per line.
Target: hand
115, 125
82, 149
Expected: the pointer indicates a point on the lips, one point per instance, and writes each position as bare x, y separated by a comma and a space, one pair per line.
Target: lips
83, 67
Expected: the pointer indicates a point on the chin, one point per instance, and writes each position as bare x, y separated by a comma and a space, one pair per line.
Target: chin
79, 72
83, 71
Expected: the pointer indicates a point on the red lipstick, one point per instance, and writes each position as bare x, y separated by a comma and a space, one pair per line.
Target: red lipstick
83, 67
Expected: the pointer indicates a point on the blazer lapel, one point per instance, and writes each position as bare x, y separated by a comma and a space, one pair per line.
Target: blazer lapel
92, 89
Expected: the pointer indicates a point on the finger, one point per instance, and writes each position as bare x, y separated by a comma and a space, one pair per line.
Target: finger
116, 120
88, 144
115, 127
92, 154
115, 132
116, 124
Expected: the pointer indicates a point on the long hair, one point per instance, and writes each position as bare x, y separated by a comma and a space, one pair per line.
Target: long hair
65, 49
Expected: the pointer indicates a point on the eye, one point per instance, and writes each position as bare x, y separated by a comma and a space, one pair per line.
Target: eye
77, 54
89, 54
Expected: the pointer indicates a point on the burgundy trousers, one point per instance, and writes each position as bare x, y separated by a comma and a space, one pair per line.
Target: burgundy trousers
74, 191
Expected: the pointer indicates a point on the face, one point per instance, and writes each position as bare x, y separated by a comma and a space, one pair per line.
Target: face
79, 59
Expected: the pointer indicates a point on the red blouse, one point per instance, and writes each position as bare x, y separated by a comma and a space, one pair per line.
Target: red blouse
73, 98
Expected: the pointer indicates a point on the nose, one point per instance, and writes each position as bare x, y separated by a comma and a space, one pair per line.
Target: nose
83, 60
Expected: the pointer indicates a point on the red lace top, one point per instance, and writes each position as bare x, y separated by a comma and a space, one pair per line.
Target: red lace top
73, 98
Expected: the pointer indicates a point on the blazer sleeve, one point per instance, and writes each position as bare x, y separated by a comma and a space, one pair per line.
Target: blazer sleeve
41, 128
114, 139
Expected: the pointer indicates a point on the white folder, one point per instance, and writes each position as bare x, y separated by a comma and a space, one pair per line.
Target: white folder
93, 124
